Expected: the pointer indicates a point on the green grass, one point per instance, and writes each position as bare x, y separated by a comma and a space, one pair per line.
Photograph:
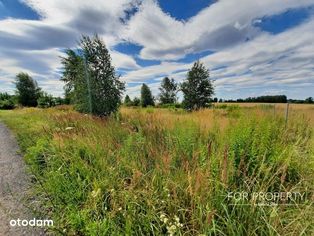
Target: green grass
159, 171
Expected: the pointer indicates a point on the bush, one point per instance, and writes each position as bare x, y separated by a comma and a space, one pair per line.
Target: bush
170, 106
136, 102
6, 104
46, 101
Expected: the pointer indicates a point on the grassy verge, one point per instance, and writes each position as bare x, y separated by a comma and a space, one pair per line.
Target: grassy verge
159, 171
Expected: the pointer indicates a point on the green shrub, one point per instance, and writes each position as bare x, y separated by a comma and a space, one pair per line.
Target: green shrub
6, 104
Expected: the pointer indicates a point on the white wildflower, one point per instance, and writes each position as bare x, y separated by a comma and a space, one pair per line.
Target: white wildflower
171, 229
69, 128
96, 193
163, 218
179, 225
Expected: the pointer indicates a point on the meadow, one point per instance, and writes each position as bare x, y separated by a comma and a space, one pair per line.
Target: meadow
150, 171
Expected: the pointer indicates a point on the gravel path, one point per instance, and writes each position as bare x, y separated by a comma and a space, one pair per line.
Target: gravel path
14, 185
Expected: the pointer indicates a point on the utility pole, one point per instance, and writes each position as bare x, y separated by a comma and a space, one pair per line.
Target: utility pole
88, 86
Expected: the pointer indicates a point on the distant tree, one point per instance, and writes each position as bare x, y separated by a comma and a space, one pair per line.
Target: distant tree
127, 101
6, 101
266, 99
136, 102
46, 100
197, 88
309, 100
6, 104
168, 91
27, 90
90, 78
60, 101
215, 100
5, 96
146, 96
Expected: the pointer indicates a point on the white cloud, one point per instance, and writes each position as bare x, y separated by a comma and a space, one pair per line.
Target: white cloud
265, 61
153, 72
222, 24
33, 46
269, 58
135, 91
285, 59
123, 61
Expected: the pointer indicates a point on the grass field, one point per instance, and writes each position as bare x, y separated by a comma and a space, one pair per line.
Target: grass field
169, 172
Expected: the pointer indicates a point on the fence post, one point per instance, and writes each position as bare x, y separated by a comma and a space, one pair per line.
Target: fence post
287, 114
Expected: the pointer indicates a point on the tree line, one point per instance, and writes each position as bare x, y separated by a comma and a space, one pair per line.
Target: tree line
28, 94
197, 91
269, 99
263, 99
93, 86
7, 101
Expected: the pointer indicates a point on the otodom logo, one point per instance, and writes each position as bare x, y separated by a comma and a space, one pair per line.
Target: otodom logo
33, 223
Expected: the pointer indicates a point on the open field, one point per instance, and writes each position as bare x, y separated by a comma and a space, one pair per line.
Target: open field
292, 106
294, 109
166, 171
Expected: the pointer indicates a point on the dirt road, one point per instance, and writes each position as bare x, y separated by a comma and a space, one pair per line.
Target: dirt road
14, 184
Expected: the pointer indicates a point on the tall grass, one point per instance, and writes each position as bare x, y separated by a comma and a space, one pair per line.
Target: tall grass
159, 171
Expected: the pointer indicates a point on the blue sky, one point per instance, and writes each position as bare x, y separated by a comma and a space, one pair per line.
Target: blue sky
252, 48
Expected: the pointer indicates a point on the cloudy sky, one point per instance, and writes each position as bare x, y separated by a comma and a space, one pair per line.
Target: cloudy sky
251, 47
